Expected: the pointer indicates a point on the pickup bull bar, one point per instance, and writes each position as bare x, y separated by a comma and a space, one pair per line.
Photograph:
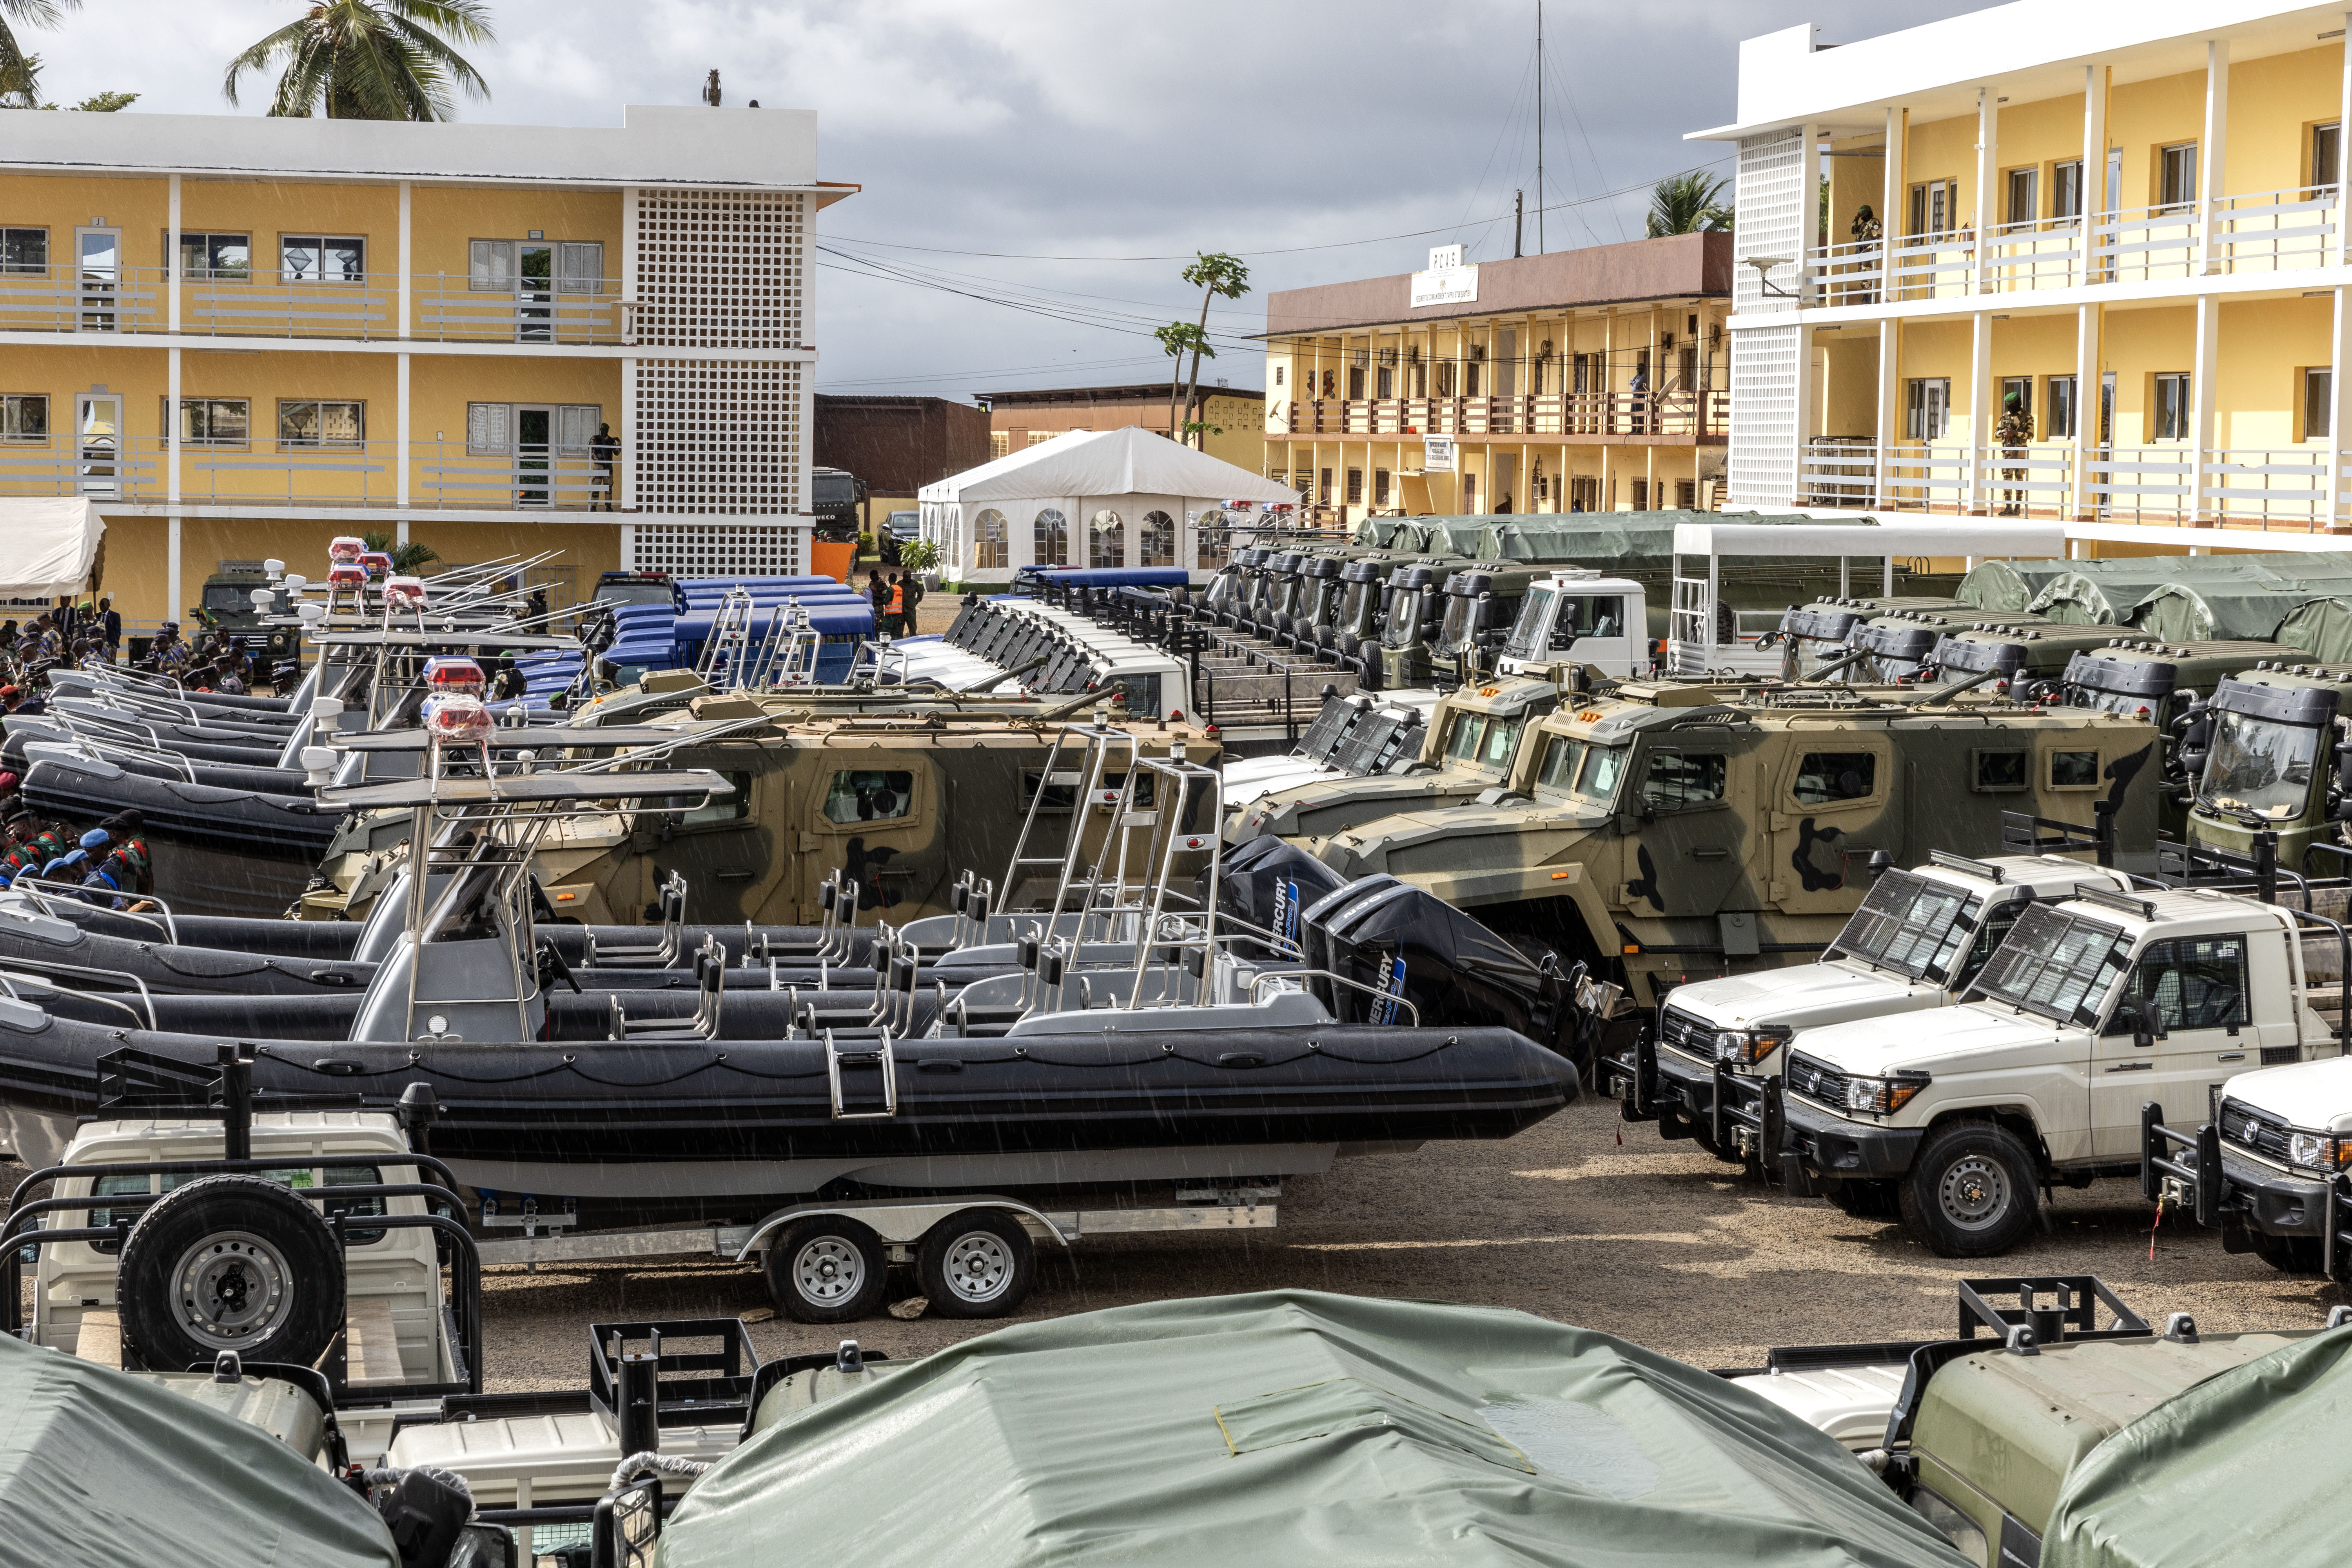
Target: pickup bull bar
2197, 1180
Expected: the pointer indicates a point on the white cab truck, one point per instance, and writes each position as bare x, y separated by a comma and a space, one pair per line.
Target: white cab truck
1575, 616
2091, 1008
1918, 941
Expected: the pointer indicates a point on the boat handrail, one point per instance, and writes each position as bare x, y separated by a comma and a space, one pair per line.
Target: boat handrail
40, 887
82, 971
1352, 985
9, 982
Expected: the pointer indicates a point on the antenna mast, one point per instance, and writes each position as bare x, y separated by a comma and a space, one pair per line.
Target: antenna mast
1539, 135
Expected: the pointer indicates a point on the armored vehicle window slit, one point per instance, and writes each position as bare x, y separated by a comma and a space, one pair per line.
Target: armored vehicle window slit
1060, 794
722, 808
1502, 739
869, 796
1824, 778
1677, 780
2073, 770
1463, 736
1997, 773
2054, 964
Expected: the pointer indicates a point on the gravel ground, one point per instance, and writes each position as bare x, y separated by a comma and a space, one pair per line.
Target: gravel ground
1656, 1242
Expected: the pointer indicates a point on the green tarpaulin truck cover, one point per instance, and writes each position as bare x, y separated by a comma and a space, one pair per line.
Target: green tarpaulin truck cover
1289, 1430
2244, 1468
103, 1469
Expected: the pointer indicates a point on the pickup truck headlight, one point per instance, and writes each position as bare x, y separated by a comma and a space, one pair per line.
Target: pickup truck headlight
1882, 1096
2317, 1151
1749, 1045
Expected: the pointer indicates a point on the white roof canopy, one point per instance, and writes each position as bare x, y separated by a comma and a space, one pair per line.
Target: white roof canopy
1100, 463
47, 547
1963, 537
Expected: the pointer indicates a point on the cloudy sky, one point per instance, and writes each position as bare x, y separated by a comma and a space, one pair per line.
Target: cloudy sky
1017, 156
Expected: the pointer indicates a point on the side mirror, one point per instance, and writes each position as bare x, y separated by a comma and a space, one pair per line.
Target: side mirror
2147, 1026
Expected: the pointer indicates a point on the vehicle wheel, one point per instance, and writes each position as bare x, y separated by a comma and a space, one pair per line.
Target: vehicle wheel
2287, 1254
828, 1269
1971, 1192
230, 1263
1867, 1200
977, 1264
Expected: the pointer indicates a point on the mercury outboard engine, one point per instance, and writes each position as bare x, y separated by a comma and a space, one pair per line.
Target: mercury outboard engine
1268, 883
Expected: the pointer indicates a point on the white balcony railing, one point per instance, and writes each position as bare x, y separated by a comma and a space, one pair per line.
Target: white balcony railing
335, 474
443, 307
2259, 231
2243, 486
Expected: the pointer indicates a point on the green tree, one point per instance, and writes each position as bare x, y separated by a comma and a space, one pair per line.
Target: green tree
20, 73
20, 87
1175, 338
1218, 277
368, 59
405, 558
1689, 202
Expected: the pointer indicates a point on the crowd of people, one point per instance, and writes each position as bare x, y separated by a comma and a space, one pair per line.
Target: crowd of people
107, 865
895, 598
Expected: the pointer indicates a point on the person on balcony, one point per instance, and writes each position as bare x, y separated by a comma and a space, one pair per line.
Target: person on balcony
2011, 434
1867, 249
1641, 391
605, 447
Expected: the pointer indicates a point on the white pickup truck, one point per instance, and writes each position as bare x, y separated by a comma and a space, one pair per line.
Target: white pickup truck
1918, 941
2091, 1008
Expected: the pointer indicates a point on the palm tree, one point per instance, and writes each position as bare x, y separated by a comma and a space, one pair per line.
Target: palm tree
19, 72
1689, 202
405, 558
367, 59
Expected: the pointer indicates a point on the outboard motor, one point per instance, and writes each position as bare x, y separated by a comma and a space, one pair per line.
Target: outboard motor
1268, 883
1403, 943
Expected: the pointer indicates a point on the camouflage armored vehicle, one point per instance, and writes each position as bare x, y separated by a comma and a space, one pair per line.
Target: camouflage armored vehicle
2160, 682
1825, 631
2267, 752
1668, 833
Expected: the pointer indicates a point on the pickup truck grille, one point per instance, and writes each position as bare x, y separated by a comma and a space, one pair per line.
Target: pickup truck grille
1686, 1033
2251, 1129
1815, 1080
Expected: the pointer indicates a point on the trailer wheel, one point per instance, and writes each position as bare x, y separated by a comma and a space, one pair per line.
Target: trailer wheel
1972, 1190
828, 1269
230, 1263
977, 1264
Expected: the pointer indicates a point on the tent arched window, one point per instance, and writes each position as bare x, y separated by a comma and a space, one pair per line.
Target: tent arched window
1053, 538
989, 538
1107, 539
1212, 539
1157, 539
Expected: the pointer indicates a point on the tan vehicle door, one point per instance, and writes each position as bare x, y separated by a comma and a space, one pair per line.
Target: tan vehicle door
1829, 811
874, 815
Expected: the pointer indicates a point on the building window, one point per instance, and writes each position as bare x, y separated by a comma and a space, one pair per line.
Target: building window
487, 428
989, 536
220, 258
1107, 539
2060, 422
1932, 206
1355, 487
2019, 387
321, 258
213, 421
1356, 383
1927, 408
1584, 492
1686, 495
1323, 491
1156, 538
579, 266
2326, 153
1582, 381
999, 443
2067, 189
2024, 195
1470, 492
315, 423
2172, 408
1385, 382
1470, 378
2319, 385
1380, 487
23, 416
1277, 375
2177, 175
1640, 495
23, 250
1053, 538
1036, 437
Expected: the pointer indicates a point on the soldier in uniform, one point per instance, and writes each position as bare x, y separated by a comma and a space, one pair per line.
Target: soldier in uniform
2011, 434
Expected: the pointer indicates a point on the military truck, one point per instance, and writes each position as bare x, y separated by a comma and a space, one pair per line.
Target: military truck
227, 607
1917, 942
1579, 616
1827, 630
2091, 1007
2266, 751
1665, 833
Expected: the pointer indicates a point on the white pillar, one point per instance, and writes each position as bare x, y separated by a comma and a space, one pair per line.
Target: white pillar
2094, 166
1890, 400
2338, 406
2087, 407
400, 456
1974, 493
627, 479
2342, 158
2204, 422
1890, 201
171, 425
407, 283
1809, 221
172, 570
2212, 150
172, 266
1988, 183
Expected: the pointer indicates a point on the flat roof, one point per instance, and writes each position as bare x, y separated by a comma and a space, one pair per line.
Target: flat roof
764, 149
1638, 271
1149, 389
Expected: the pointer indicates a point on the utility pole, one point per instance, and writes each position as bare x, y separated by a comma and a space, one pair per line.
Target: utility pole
1518, 222
1539, 135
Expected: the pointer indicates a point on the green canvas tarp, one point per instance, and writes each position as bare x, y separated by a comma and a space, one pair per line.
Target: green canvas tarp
2245, 1468
2247, 604
2320, 628
2008, 587
1293, 1430
102, 1469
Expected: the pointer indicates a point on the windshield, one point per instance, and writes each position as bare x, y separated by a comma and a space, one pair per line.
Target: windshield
1909, 924
2258, 766
1222, 588
2130, 703
1526, 632
225, 596
1461, 623
2053, 964
1403, 627
637, 592
1560, 759
1603, 766
1485, 740
1319, 605
1360, 611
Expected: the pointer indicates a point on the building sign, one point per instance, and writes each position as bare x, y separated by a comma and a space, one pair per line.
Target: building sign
1437, 454
1447, 281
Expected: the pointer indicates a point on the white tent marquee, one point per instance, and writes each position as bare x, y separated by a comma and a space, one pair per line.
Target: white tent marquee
47, 547
1104, 498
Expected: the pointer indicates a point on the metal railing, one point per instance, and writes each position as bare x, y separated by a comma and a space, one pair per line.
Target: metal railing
444, 475
1671, 411
2280, 489
443, 307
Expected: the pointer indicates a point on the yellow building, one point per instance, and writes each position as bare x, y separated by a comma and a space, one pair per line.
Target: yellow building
1589, 380
2130, 219
243, 336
